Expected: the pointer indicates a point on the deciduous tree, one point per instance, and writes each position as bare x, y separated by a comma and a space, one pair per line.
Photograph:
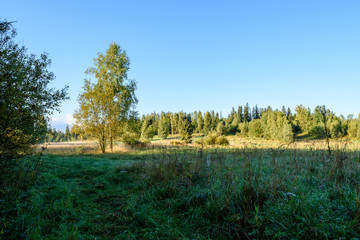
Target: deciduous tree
106, 105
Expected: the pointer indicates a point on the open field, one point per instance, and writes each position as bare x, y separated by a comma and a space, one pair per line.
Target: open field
257, 189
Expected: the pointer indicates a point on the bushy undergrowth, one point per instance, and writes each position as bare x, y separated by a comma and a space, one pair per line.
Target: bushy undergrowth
196, 193
214, 139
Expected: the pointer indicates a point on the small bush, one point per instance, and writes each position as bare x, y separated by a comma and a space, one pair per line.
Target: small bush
317, 131
210, 139
221, 140
130, 139
176, 143
214, 139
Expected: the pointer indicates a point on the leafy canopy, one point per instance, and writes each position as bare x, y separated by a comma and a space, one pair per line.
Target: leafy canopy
105, 106
26, 101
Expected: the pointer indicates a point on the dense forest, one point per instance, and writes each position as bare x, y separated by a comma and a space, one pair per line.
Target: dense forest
255, 122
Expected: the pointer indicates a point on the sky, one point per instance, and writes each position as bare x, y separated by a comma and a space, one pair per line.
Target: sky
203, 55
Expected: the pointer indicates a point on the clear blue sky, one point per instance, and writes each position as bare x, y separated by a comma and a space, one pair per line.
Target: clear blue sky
204, 55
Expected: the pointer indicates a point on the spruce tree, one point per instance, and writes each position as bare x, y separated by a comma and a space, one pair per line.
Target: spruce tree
174, 121
67, 133
217, 118
194, 121
164, 126
240, 114
255, 112
213, 123
186, 130
247, 114
200, 121
207, 123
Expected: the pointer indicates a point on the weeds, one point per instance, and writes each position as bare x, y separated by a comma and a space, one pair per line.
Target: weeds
167, 192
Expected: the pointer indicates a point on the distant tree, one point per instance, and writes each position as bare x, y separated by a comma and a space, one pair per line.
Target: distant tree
256, 128
207, 123
217, 118
164, 126
148, 128
67, 133
200, 121
289, 115
213, 122
26, 100
247, 113
194, 121
276, 126
240, 114
231, 116
221, 128
174, 121
186, 130
244, 129
303, 118
106, 106
336, 129
255, 112
354, 125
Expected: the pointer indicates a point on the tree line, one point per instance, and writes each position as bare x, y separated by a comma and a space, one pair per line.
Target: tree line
257, 122
281, 125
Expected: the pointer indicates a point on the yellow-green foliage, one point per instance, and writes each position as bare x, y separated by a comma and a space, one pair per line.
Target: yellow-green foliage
215, 139
222, 141
277, 127
256, 128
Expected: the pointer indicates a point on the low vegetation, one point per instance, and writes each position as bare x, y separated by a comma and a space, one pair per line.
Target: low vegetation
192, 193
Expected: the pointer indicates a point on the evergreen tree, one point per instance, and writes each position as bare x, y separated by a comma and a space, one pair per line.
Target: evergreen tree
182, 115
213, 123
67, 133
256, 114
200, 121
221, 128
217, 118
240, 114
207, 123
289, 115
231, 116
164, 126
247, 114
174, 121
186, 130
148, 129
194, 121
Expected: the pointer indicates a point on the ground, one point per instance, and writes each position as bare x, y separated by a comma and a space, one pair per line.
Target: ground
251, 189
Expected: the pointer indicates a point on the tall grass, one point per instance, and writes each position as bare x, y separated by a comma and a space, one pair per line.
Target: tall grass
163, 192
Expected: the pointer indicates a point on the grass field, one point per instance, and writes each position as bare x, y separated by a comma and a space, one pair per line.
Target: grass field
250, 190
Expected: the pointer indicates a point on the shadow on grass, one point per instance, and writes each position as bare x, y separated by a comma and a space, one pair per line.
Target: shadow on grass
195, 193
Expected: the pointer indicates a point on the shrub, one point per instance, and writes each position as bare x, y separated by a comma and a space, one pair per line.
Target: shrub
221, 128
210, 139
317, 131
336, 129
221, 140
130, 139
244, 129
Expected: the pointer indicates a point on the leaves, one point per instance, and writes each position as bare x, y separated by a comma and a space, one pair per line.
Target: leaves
108, 103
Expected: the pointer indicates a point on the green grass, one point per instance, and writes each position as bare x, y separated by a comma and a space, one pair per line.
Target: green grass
189, 193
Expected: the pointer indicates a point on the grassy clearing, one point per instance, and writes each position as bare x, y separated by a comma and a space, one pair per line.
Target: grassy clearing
194, 193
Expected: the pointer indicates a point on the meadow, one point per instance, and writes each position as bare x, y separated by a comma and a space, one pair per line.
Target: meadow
252, 189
